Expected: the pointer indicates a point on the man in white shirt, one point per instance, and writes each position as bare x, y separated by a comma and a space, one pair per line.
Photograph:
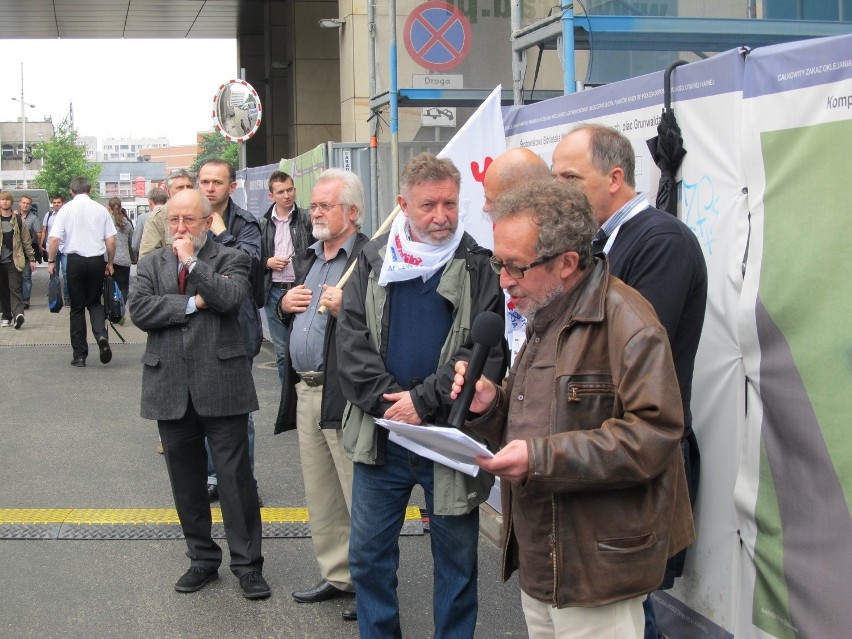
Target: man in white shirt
87, 231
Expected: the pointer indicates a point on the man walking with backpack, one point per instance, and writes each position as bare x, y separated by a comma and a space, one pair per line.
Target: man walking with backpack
16, 255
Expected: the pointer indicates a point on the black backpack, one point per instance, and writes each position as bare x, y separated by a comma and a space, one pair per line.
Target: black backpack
54, 293
113, 301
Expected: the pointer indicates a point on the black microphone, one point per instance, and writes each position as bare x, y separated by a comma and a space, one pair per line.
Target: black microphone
486, 333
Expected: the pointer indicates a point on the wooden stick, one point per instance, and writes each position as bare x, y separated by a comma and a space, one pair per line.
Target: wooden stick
380, 231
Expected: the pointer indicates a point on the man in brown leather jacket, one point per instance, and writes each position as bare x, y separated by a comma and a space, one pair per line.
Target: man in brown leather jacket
591, 419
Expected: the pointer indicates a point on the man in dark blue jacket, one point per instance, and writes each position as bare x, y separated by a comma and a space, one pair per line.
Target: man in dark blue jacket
653, 252
235, 227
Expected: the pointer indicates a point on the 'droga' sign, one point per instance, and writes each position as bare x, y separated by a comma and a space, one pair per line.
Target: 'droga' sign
437, 36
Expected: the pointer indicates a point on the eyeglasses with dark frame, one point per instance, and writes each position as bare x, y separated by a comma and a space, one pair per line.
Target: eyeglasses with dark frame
187, 221
325, 207
517, 272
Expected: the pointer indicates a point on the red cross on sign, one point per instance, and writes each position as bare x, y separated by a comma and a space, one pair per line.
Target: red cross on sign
437, 36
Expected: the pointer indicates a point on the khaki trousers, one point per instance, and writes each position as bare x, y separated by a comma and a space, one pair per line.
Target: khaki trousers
620, 620
328, 487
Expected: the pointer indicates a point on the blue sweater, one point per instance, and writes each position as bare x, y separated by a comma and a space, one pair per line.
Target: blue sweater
420, 319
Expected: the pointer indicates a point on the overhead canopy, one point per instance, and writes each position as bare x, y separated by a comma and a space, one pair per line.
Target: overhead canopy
33, 19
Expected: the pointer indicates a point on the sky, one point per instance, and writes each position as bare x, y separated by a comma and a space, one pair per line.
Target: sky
119, 88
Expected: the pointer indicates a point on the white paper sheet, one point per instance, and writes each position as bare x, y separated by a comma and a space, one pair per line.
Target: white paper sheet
445, 445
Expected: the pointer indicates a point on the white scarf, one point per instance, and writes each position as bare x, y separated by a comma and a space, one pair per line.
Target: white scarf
406, 259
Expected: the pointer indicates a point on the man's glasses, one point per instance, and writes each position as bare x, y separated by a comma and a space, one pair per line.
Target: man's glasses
517, 272
187, 221
325, 207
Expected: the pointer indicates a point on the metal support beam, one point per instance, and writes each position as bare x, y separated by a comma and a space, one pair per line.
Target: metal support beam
451, 97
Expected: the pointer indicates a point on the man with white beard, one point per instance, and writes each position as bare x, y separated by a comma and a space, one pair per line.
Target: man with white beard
310, 394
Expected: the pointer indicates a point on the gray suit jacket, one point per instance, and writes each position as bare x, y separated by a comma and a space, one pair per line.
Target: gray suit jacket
202, 354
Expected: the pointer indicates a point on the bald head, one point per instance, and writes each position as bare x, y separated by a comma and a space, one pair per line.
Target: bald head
510, 170
191, 200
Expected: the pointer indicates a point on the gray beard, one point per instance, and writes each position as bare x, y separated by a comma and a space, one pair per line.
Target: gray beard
536, 307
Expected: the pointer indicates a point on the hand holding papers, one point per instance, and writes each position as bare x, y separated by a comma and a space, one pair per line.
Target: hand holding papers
445, 445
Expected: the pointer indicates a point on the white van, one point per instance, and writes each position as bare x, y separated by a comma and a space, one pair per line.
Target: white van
135, 209
41, 201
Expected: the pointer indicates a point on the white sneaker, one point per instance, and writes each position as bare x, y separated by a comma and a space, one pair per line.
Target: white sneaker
4, 323
19, 319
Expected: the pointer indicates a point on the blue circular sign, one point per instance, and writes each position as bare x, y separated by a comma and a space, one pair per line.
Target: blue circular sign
437, 36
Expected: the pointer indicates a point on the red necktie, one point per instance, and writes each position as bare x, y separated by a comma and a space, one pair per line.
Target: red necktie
182, 275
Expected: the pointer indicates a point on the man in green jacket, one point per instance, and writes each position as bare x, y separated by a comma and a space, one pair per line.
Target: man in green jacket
406, 319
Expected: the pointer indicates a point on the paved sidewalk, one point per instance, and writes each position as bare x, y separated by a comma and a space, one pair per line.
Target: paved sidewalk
73, 438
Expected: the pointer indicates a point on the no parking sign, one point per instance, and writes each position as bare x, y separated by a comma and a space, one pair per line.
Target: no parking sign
437, 35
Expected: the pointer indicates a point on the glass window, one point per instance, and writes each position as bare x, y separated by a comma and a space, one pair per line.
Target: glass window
616, 8
829, 10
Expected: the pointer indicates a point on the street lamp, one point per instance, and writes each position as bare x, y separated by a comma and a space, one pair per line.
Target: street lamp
24, 104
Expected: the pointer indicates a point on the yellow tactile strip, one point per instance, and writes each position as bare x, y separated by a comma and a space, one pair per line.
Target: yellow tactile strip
27, 516
132, 515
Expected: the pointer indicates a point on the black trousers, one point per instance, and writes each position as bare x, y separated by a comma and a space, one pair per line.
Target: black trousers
86, 286
186, 460
11, 303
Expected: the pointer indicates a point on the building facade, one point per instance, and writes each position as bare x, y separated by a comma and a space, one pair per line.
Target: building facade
18, 166
129, 180
123, 149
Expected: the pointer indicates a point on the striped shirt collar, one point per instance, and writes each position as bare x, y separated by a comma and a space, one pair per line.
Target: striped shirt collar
626, 212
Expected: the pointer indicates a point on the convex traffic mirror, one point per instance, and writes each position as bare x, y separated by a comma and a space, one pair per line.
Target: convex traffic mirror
237, 110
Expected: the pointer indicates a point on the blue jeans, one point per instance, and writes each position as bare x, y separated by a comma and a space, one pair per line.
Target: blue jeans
651, 631
63, 265
26, 282
278, 331
211, 472
380, 495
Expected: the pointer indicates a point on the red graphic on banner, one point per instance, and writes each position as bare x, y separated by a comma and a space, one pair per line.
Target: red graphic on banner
478, 175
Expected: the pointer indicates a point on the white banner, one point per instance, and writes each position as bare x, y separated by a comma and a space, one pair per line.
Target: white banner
472, 149
795, 484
